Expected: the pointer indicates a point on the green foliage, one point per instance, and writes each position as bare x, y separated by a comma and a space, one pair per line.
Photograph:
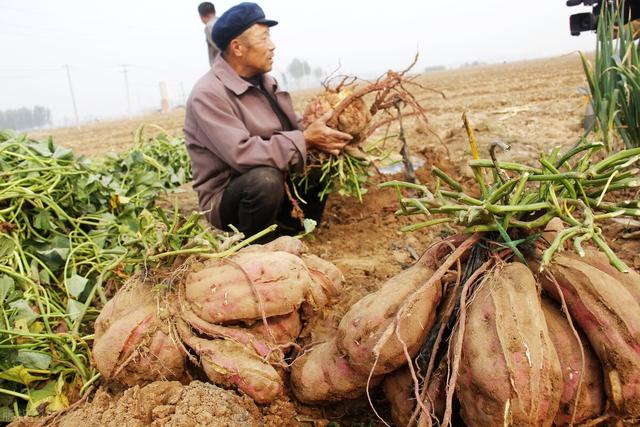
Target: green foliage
520, 200
614, 81
68, 227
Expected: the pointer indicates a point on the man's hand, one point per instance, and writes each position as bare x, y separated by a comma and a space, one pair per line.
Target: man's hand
319, 136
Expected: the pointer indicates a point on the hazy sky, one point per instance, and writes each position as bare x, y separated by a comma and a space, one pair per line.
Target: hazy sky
163, 40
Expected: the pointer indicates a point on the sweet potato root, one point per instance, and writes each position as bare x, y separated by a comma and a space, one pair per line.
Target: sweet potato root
223, 290
605, 306
509, 370
325, 375
590, 400
229, 363
132, 344
367, 332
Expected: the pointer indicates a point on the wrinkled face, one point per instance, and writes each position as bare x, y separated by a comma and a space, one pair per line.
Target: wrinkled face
256, 49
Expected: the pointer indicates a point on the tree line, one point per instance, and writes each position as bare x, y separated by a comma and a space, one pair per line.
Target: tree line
300, 69
25, 118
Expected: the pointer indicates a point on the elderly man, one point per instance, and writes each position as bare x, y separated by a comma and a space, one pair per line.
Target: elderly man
242, 134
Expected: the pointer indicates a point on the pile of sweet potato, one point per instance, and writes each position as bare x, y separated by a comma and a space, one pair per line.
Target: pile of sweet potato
527, 361
234, 317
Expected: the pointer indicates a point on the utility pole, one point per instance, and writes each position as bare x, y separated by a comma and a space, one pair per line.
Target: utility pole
73, 97
184, 96
125, 70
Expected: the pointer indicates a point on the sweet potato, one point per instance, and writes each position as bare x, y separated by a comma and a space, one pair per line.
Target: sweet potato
223, 290
229, 363
398, 387
132, 344
325, 375
367, 332
605, 306
509, 370
590, 401
285, 329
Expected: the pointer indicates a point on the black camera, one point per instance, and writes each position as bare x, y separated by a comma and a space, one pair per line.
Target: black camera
580, 22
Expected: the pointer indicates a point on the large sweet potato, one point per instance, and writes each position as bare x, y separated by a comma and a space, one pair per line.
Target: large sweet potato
605, 305
367, 332
223, 290
590, 401
132, 343
509, 371
325, 375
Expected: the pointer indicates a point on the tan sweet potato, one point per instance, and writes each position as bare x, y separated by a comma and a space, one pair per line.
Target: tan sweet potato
590, 401
229, 363
509, 371
605, 306
223, 290
325, 375
398, 387
366, 334
132, 344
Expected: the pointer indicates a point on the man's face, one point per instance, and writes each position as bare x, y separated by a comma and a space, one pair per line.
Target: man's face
207, 18
257, 49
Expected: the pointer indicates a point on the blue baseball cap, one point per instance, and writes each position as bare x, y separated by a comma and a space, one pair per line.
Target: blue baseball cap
235, 21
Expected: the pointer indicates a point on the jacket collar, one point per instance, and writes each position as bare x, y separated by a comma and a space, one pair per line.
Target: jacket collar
234, 82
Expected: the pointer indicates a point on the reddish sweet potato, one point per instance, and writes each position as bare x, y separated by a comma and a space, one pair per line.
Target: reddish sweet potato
285, 329
223, 290
132, 345
325, 375
606, 307
366, 334
509, 371
590, 401
399, 389
229, 363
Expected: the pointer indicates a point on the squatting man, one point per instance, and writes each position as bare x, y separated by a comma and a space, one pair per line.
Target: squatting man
243, 136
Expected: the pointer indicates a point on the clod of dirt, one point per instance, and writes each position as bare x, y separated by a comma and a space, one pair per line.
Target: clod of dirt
162, 403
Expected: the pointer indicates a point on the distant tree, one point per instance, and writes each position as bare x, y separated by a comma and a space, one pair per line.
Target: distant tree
307, 70
25, 118
296, 69
318, 73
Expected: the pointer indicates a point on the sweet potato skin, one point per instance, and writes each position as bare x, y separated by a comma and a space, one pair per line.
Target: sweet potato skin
325, 375
223, 290
607, 310
591, 399
509, 369
366, 334
133, 345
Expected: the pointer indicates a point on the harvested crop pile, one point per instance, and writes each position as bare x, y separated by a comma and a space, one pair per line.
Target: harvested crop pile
73, 231
510, 360
234, 317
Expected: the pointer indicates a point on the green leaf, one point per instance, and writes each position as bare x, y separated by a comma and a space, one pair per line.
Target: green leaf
74, 308
50, 398
7, 247
7, 286
20, 374
42, 221
76, 284
23, 311
34, 359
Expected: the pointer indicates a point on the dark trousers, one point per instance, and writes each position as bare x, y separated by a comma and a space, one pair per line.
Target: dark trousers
256, 199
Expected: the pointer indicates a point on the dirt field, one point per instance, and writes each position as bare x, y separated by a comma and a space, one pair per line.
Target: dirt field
533, 106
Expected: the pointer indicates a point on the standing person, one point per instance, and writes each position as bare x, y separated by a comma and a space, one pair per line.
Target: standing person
207, 13
243, 135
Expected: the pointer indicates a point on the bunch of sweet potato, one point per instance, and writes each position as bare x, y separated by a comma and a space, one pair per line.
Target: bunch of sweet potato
235, 317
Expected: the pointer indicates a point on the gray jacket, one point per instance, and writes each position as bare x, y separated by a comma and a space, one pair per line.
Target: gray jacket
211, 46
230, 128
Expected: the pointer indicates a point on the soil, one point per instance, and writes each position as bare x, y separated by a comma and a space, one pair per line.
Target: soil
533, 106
